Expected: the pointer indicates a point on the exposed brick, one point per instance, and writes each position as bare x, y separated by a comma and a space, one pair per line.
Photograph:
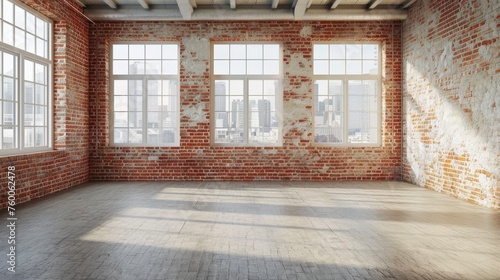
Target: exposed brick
44, 173
450, 116
196, 159
451, 88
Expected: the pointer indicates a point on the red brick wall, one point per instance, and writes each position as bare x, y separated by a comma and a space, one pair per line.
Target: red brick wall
196, 159
452, 98
68, 165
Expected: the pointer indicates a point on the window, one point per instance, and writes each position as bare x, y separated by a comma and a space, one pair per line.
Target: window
145, 95
26, 78
247, 94
347, 94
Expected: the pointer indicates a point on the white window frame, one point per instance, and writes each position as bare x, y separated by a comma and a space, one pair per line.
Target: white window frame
246, 78
22, 55
144, 78
345, 100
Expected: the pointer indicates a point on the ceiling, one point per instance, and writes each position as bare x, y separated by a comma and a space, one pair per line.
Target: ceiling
141, 10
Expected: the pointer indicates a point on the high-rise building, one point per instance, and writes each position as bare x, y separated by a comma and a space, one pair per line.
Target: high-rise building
238, 114
221, 114
264, 107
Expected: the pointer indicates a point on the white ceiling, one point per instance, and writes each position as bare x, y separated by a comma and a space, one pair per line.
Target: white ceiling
141, 10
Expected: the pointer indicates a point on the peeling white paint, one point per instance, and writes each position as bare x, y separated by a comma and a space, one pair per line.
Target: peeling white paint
306, 31
452, 109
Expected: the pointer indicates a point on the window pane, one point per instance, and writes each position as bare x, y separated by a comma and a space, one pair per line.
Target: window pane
238, 67
254, 52
154, 103
120, 87
255, 87
236, 87
40, 115
8, 11
153, 67
121, 119
337, 51
169, 136
337, 67
29, 113
120, 103
153, 51
120, 67
328, 135
154, 135
229, 115
9, 114
41, 28
136, 51
335, 87
320, 67
29, 70
170, 67
263, 122
237, 51
170, 88
320, 51
30, 23
135, 87
20, 38
135, 103
136, 67
8, 65
29, 137
221, 67
40, 94
271, 51
9, 138
40, 136
271, 67
154, 88
370, 51
254, 67
353, 67
221, 51
20, 17
170, 51
353, 51
135, 119
221, 100
362, 97
40, 48
135, 135
8, 34
370, 67
154, 119
40, 76
271, 87
8, 89
29, 93
328, 115
120, 135
321, 87
120, 51
30, 43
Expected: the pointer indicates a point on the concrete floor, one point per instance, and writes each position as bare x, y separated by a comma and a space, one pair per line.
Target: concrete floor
259, 230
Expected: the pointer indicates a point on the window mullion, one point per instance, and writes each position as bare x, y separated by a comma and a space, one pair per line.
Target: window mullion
144, 110
20, 101
247, 111
346, 110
